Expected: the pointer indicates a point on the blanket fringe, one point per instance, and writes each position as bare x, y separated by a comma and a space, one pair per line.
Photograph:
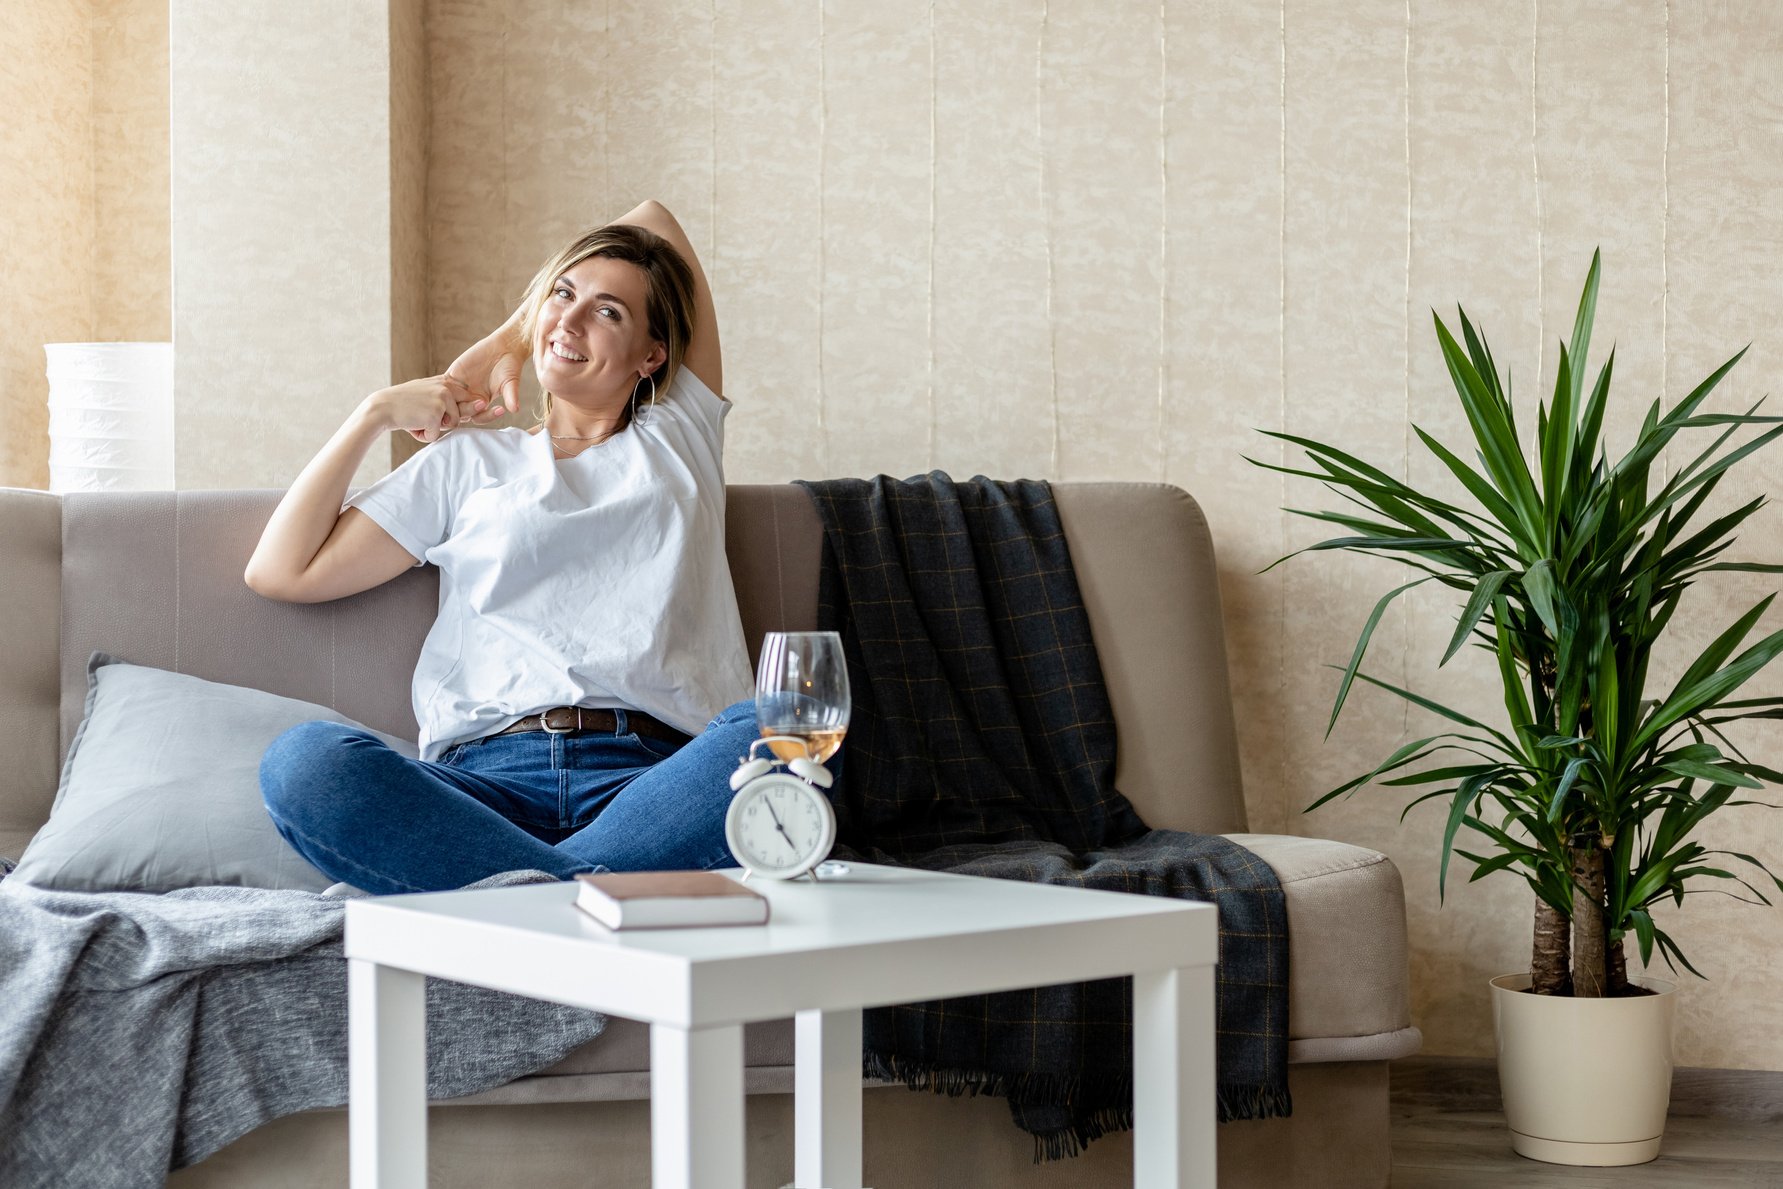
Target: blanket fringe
1254, 1102
1235, 1102
1070, 1141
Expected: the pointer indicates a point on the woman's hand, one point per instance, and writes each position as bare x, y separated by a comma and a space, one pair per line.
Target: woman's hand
491, 366
428, 407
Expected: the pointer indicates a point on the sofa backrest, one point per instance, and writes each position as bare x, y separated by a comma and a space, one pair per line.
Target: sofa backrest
155, 578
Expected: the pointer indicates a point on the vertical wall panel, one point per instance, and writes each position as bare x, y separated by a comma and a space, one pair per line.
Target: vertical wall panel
1100, 83
132, 274
469, 284
876, 230
1601, 132
659, 112
281, 233
46, 196
568, 90
764, 264
993, 367
1222, 360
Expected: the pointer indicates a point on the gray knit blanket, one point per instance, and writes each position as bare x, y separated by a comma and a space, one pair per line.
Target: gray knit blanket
141, 1033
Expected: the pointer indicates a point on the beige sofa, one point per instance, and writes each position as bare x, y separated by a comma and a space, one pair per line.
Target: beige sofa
156, 579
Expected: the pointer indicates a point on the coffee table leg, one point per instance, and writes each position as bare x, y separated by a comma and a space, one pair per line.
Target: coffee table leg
696, 1107
386, 1076
1174, 1113
827, 1100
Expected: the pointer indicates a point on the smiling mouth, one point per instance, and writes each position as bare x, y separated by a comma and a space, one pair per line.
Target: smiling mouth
563, 352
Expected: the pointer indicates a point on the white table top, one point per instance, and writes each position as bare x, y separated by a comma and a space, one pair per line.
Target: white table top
875, 935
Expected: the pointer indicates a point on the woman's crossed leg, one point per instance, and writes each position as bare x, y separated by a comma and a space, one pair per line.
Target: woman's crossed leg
371, 817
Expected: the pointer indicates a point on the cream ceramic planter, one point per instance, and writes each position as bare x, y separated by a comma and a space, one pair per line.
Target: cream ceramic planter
1585, 1081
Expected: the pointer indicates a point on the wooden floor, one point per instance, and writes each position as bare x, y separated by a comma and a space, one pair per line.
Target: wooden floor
1725, 1129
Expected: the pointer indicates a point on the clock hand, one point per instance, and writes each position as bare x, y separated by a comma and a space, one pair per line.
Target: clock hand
779, 826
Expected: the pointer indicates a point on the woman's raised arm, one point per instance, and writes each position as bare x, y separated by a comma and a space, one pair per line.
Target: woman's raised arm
703, 354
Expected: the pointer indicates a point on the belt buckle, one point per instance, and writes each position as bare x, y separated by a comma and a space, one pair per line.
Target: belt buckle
545, 721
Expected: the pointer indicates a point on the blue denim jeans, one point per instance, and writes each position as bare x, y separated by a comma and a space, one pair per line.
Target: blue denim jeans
371, 817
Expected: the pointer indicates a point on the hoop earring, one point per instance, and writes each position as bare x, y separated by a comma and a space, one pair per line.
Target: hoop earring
651, 407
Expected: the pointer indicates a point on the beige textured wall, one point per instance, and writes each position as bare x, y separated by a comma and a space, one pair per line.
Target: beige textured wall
286, 188
1096, 239
46, 216
132, 269
83, 198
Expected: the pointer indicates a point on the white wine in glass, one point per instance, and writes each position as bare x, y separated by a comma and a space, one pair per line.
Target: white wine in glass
801, 694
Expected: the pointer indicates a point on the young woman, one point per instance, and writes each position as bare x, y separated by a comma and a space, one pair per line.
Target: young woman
582, 694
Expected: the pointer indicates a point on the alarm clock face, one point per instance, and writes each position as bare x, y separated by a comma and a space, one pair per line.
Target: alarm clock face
778, 826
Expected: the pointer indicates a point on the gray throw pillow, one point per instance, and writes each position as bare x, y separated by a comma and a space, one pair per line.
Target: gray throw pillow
161, 788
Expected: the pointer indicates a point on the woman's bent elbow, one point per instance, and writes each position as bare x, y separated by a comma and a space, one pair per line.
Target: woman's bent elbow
270, 585
255, 580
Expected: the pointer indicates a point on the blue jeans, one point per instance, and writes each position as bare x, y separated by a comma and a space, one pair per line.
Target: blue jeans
565, 804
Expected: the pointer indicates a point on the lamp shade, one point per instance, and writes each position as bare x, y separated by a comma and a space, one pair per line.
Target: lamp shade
111, 416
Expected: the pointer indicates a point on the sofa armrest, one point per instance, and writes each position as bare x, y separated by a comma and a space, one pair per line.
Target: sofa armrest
1348, 986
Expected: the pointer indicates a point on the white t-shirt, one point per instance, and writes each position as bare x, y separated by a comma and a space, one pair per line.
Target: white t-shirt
600, 580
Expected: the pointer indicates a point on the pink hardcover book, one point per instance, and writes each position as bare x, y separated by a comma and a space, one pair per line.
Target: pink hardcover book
668, 899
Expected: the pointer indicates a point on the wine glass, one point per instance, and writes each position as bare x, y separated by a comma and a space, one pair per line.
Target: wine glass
801, 694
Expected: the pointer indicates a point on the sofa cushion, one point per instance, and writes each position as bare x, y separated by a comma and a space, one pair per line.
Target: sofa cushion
161, 788
1348, 987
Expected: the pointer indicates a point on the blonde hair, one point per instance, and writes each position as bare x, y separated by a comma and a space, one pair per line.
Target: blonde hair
668, 295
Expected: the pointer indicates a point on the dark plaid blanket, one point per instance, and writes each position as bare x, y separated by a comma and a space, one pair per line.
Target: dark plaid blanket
982, 742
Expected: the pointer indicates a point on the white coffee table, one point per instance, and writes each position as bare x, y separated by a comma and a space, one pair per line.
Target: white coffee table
878, 935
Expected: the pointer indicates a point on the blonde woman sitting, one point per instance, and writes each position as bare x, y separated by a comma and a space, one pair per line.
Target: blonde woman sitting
583, 692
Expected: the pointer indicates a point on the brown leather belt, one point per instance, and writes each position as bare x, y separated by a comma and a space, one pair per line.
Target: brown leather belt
572, 720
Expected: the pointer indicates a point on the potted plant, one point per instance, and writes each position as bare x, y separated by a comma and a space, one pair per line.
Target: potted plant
1569, 568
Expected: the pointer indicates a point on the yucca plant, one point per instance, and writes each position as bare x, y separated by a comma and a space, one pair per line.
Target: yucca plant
1570, 568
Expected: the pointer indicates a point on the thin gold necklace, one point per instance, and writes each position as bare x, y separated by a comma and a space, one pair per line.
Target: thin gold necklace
569, 453
556, 438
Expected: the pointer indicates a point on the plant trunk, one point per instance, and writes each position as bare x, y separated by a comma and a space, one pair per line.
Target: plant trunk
1549, 963
1618, 968
1590, 978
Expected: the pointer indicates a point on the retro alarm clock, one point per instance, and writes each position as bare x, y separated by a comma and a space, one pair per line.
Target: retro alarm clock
780, 824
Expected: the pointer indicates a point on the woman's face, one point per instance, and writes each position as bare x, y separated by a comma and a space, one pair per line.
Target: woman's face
593, 340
